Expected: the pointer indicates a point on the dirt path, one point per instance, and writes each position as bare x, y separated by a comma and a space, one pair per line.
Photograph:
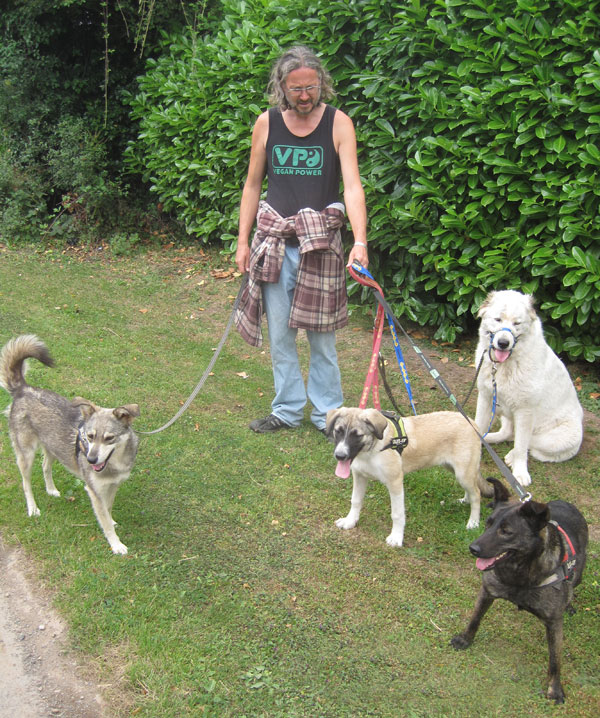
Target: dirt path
38, 677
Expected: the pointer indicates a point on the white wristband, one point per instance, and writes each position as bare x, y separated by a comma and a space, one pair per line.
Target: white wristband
360, 244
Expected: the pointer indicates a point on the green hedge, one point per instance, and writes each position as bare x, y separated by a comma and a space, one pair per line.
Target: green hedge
478, 124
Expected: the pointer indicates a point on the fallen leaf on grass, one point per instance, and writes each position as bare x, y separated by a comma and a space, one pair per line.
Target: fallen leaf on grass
222, 273
243, 374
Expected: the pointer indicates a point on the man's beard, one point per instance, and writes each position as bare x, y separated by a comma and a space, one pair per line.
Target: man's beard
305, 108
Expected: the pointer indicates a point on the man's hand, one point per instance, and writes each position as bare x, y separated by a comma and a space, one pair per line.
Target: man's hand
360, 254
242, 257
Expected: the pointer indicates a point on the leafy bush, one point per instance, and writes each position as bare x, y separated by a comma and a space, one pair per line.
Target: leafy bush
77, 159
22, 200
493, 130
64, 68
478, 124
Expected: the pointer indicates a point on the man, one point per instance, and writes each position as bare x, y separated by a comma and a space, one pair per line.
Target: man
296, 260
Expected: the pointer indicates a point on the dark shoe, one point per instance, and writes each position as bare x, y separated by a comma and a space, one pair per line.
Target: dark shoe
269, 423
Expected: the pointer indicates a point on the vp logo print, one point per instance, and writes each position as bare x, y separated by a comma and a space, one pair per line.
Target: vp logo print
287, 159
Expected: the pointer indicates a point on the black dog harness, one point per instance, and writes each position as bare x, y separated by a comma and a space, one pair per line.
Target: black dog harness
399, 441
566, 569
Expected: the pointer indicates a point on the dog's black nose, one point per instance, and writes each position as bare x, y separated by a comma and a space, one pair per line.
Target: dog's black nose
503, 344
475, 549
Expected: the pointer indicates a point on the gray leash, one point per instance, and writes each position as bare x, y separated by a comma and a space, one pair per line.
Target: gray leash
208, 369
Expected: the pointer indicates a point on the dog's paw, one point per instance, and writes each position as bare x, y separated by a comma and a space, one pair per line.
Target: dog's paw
346, 523
54, 492
33, 511
522, 476
394, 540
119, 548
519, 470
472, 523
555, 693
460, 642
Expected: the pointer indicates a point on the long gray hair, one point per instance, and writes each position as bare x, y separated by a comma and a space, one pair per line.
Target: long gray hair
293, 59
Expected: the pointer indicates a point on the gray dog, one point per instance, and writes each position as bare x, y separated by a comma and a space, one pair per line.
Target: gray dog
95, 444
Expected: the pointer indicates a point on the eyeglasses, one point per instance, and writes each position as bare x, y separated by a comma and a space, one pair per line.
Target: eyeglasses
300, 90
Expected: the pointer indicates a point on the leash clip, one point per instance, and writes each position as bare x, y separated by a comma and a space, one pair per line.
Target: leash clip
526, 498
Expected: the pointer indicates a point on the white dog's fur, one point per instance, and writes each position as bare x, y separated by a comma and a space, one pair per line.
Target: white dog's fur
442, 438
537, 403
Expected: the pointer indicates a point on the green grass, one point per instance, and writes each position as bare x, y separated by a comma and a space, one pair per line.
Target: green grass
239, 596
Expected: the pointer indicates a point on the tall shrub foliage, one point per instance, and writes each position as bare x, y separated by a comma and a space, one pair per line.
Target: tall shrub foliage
478, 126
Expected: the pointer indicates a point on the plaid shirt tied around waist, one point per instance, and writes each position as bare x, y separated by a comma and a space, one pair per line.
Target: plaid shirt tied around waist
320, 301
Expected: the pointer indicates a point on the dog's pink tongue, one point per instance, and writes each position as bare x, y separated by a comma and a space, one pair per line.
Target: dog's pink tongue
483, 563
501, 355
343, 469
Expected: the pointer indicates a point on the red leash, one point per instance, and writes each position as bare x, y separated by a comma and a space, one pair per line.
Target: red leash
372, 378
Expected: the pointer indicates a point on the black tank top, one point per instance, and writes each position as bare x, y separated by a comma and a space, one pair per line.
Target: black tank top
301, 171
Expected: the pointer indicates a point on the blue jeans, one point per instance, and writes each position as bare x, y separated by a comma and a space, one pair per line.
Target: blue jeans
324, 385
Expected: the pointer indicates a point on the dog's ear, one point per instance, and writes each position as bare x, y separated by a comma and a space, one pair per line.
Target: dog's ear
485, 304
85, 406
531, 306
536, 513
376, 422
501, 494
330, 419
127, 412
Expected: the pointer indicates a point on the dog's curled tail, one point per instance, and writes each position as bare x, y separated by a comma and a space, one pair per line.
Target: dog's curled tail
485, 487
12, 358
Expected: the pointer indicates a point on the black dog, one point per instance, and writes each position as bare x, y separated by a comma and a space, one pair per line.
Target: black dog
533, 555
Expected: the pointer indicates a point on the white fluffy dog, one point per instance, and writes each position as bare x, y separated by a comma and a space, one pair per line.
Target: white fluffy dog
536, 401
